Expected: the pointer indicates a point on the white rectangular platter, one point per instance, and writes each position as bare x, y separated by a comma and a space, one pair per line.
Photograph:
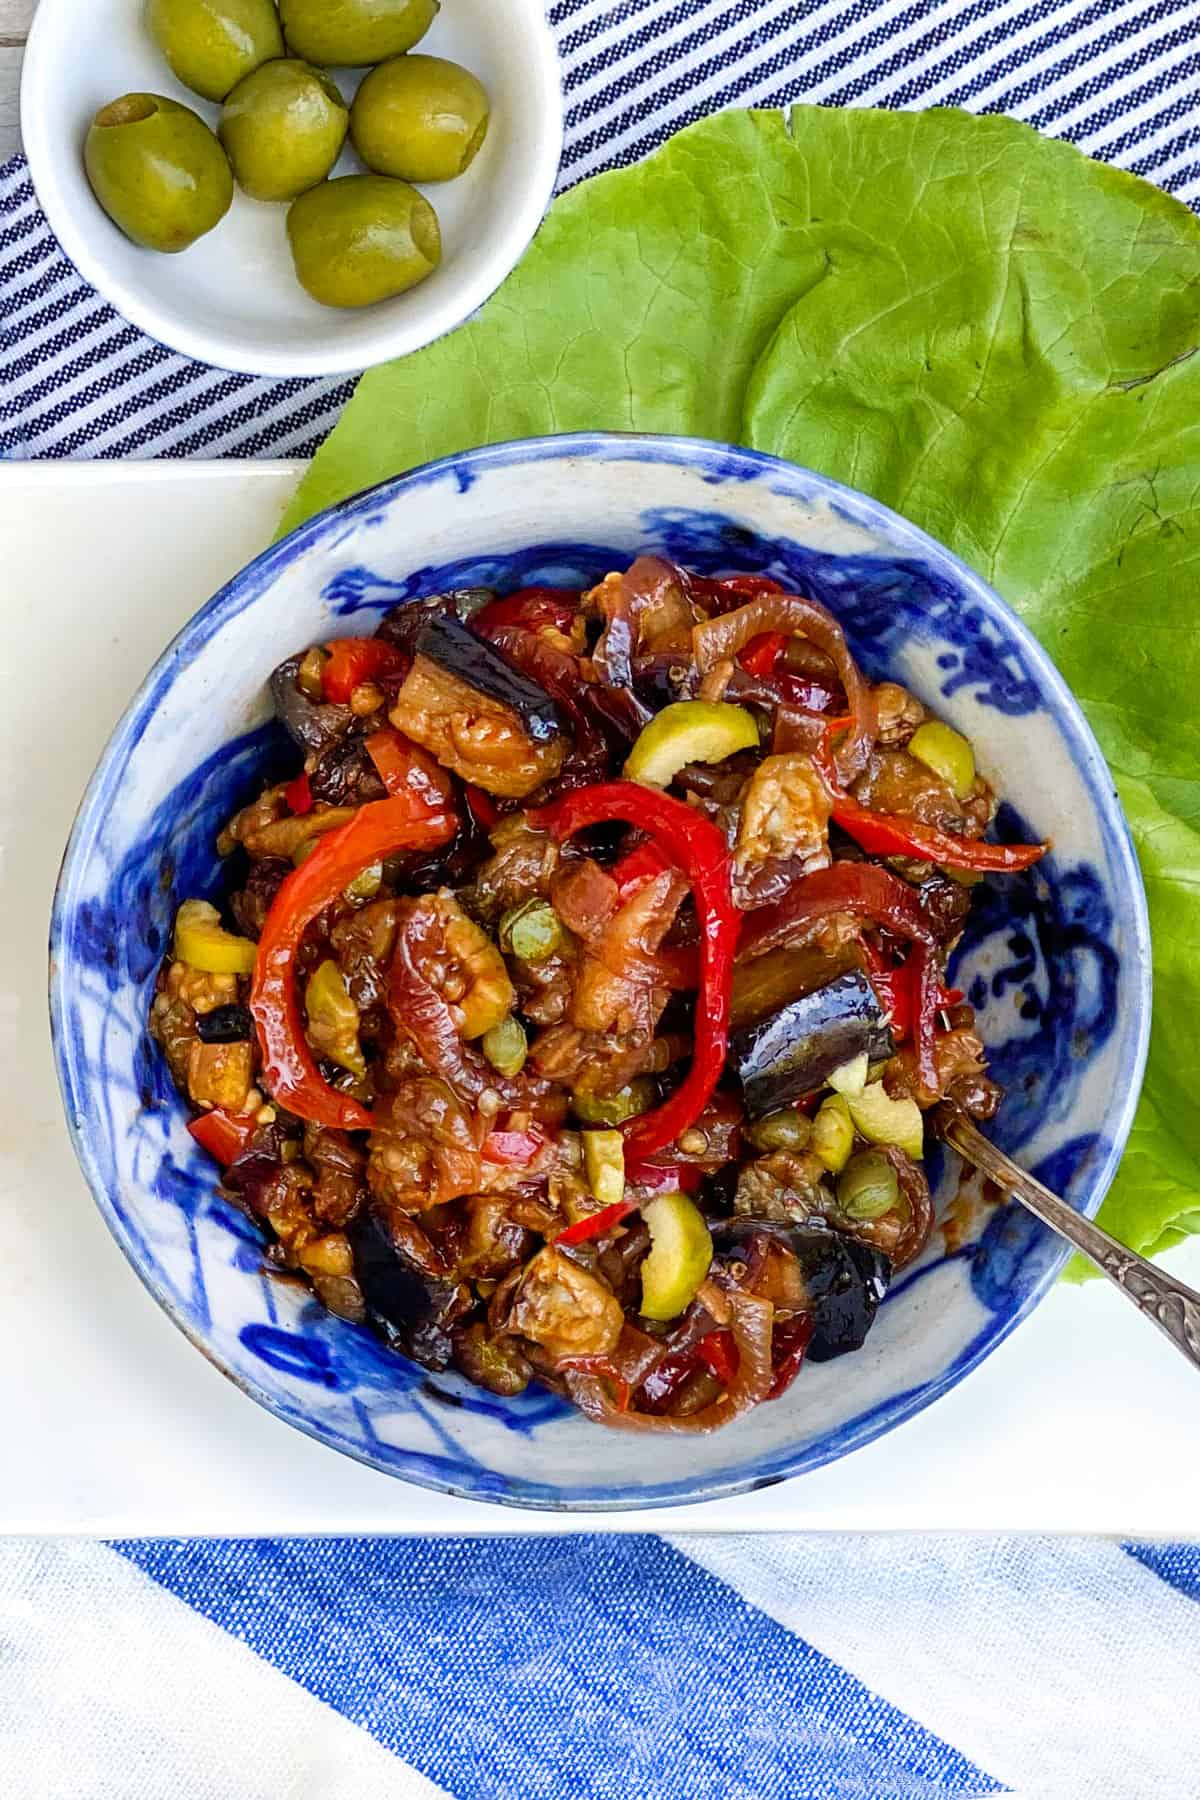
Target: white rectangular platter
1085, 1420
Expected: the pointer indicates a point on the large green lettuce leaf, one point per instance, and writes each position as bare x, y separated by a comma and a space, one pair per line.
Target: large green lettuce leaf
975, 324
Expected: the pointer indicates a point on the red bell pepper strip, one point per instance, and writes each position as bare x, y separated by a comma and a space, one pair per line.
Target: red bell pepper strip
718, 1353
299, 796
533, 608
887, 834
355, 660
895, 984
512, 1149
405, 768
224, 1135
790, 1342
762, 653
290, 1072
664, 1178
595, 1224
602, 1366
881, 834
483, 807
699, 851
642, 863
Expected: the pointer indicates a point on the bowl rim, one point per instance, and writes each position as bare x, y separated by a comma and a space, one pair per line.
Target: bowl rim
217, 348
242, 590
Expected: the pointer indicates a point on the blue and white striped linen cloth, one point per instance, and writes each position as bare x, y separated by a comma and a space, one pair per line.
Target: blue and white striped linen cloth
603, 1668
636, 1668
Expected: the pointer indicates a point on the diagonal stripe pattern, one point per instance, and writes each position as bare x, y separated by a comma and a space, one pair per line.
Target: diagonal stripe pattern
704, 1668
1120, 78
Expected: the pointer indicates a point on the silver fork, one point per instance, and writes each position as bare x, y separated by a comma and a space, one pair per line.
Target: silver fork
1169, 1304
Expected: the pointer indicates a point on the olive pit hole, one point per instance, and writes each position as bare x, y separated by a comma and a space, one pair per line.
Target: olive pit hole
130, 109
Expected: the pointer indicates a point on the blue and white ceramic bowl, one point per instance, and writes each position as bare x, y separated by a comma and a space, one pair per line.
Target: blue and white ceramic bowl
1056, 962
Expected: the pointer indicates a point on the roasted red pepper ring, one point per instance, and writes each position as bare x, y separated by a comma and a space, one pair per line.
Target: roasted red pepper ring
290, 1072
699, 851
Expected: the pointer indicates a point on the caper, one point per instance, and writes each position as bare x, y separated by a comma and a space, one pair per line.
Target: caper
613, 1109
785, 1130
868, 1187
506, 1046
531, 931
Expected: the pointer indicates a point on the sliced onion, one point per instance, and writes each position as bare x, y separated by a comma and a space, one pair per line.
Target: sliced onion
793, 613
752, 1323
915, 1190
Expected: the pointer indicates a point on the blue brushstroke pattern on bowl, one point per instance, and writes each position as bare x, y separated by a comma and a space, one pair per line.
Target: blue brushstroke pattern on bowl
1056, 962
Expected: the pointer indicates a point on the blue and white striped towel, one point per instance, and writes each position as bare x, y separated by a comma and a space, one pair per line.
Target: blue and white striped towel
633, 1668
599, 1668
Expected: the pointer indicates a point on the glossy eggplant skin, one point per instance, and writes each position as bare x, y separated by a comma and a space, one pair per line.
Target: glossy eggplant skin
845, 1280
402, 626
411, 1310
449, 644
310, 725
794, 1051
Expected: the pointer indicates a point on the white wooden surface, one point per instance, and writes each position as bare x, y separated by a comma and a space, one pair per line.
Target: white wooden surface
14, 23
1084, 1420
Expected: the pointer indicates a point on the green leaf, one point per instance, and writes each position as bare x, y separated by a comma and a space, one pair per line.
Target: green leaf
977, 325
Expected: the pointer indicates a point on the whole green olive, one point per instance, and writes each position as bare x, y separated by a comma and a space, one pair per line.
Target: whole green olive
346, 33
362, 238
212, 44
157, 170
283, 129
419, 117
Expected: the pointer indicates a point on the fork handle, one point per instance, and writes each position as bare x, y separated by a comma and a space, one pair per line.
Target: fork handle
1170, 1304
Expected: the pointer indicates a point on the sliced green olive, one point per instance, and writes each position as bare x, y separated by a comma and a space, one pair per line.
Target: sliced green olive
947, 753
366, 885
704, 731
868, 1187
882, 1120
851, 1078
833, 1133
203, 943
604, 1165
333, 1021
679, 1258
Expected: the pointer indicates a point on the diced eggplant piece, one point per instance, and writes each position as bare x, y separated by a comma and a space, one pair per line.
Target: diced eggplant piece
410, 1309
844, 1279
794, 1051
402, 626
477, 663
482, 719
309, 724
224, 1025
345, 775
